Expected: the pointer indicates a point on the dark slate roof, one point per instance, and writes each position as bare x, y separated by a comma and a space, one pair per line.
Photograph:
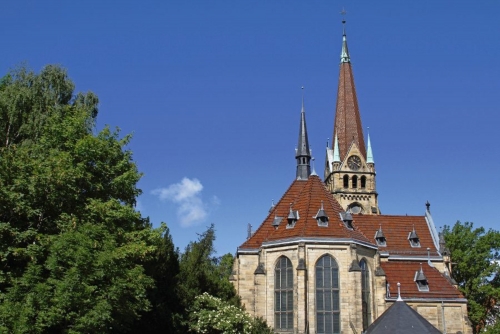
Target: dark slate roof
401, 318
306, 197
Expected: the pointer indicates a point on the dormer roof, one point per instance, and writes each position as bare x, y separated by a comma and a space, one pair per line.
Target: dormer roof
306, 197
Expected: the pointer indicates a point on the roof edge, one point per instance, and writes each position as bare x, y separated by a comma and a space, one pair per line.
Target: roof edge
428, 300
283, 242
411, 258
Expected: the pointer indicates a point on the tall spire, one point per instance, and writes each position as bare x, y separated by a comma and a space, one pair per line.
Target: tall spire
347, 126
303, 153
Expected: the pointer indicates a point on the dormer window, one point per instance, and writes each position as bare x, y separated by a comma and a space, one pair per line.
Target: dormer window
413, 238
421, 280
276, 222
380, 237
292, 218
347, 219
321, 217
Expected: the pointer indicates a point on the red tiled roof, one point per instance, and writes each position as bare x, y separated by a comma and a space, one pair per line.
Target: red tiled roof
396, 230
404, 273
347, 118
305, 197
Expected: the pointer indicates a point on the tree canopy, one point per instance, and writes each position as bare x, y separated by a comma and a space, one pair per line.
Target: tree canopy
75, 255
71, 243
475, 253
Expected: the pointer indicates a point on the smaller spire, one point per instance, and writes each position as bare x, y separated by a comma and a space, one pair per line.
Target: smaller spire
336, 151
313, 169
369, 153
303, 153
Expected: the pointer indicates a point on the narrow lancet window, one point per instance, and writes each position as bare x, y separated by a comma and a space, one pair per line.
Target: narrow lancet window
327, 296
363, 181
365, 294
283, 295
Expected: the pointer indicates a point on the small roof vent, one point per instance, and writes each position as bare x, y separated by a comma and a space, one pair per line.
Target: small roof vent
321, 217
276, 222
380, 237
272, 206
421, 280
347, 219
413, 238
292, 218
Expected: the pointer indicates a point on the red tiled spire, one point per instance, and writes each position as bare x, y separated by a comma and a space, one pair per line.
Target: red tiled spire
347, 125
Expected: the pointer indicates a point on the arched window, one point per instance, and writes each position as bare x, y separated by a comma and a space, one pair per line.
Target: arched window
365, 294
327, 296
283, 295
363, 181
346, 181
354, 181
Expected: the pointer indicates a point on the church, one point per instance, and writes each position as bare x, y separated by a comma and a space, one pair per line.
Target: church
326, 260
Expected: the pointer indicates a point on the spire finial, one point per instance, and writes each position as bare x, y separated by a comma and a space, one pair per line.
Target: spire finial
343, 13
399, 293
303, 109
344, 56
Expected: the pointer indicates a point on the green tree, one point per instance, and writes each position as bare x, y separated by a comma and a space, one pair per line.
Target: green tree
201, 271
72, 246
166, 311
475, 255
211, 315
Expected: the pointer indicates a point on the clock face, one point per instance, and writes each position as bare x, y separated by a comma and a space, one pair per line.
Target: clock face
354, 162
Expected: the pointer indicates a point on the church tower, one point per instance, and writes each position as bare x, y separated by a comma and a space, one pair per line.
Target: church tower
350, 168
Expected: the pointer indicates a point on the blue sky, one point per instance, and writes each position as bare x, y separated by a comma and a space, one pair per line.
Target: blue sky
211, 92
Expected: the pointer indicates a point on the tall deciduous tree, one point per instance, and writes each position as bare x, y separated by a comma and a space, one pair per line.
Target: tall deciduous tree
72, 246
475, 255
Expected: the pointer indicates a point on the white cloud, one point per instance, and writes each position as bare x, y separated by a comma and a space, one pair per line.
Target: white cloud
187, 195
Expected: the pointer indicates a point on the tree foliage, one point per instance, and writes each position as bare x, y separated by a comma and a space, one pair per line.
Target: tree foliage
475, 253
211, 315
75, 255
203, 272
71, 243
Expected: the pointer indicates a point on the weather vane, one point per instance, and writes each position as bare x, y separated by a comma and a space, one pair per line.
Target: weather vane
343, 13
